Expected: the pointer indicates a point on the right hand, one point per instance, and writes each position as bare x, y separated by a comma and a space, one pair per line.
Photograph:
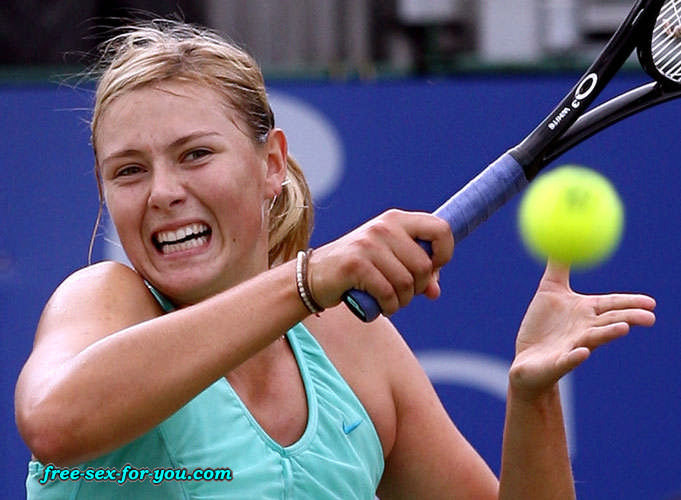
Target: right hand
383, 259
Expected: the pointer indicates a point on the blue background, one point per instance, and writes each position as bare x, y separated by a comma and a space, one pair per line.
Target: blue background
408, 144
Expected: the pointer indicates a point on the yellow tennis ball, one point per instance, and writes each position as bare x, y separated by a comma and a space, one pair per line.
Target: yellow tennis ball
572, 215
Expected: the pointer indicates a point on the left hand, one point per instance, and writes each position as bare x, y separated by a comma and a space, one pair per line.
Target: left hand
561, 328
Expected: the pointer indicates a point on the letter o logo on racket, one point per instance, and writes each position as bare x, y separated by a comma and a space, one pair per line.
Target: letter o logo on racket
586, 86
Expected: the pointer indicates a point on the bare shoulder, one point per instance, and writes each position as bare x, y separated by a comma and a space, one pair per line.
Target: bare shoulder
94, 302
355, 346
339, 331
102, 285
103, 276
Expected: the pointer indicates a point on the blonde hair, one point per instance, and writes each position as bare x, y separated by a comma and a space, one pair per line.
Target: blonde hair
162, 50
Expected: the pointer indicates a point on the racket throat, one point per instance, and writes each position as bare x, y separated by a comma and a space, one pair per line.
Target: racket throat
530, 159
534, 152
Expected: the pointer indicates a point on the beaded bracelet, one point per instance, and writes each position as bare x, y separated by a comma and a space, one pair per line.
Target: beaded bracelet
303, 284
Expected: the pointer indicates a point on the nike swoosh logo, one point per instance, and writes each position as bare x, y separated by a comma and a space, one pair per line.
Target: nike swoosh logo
348, 428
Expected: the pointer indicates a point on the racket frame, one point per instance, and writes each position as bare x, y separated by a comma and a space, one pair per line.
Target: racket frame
511, 172
631, 33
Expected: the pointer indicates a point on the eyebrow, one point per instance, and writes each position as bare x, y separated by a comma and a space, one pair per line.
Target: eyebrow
181, 141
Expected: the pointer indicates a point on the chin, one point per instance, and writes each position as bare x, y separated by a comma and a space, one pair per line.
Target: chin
186, 290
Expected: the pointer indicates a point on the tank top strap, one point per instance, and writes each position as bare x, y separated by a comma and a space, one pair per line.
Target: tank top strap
163, 301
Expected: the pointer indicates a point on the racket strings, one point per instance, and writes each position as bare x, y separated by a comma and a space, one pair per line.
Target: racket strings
666, 41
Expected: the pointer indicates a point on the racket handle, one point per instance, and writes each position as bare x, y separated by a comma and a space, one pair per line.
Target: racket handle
467, 209
482, 196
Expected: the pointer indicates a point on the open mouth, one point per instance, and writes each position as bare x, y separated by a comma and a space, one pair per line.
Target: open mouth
181, 239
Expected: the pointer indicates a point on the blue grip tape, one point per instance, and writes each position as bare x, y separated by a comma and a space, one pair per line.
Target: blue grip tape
481, 197
466, 210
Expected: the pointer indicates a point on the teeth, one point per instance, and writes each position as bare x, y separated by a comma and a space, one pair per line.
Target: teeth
180, 233
185, 245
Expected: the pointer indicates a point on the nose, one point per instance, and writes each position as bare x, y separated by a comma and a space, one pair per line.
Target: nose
167, 190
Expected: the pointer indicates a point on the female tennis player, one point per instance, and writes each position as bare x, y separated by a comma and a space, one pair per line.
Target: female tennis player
222, 365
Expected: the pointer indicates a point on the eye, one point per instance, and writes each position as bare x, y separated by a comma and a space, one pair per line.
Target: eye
197, 154
128, 170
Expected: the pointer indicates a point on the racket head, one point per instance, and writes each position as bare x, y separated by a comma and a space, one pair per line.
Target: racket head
633, 33
660, 49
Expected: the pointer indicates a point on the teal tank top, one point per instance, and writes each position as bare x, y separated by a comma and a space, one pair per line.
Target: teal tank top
213, 448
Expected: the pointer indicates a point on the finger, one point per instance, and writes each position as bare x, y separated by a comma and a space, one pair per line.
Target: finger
571, 360
634, 317
427, 227
400, 230
409, 270
602, 335
397, 285
557, 272
443, 246
331, 275
393, 233
381, 289
433, 290
614, 301
417, 263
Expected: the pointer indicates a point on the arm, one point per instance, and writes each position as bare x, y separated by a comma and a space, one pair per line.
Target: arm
429, 458
106, 366
558, 332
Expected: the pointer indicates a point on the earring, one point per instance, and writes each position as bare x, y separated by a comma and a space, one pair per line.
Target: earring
274, 199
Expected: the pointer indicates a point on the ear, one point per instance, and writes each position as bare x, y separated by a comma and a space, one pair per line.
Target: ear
276, 154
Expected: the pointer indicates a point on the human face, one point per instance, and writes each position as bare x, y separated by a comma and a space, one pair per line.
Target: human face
176, 165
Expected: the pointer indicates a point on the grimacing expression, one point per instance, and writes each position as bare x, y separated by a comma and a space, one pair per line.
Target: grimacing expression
186, 187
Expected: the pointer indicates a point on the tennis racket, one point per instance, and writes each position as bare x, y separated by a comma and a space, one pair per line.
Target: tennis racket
653, 28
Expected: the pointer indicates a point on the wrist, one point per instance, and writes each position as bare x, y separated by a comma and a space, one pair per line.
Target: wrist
303, 282
539, 400
529, 387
